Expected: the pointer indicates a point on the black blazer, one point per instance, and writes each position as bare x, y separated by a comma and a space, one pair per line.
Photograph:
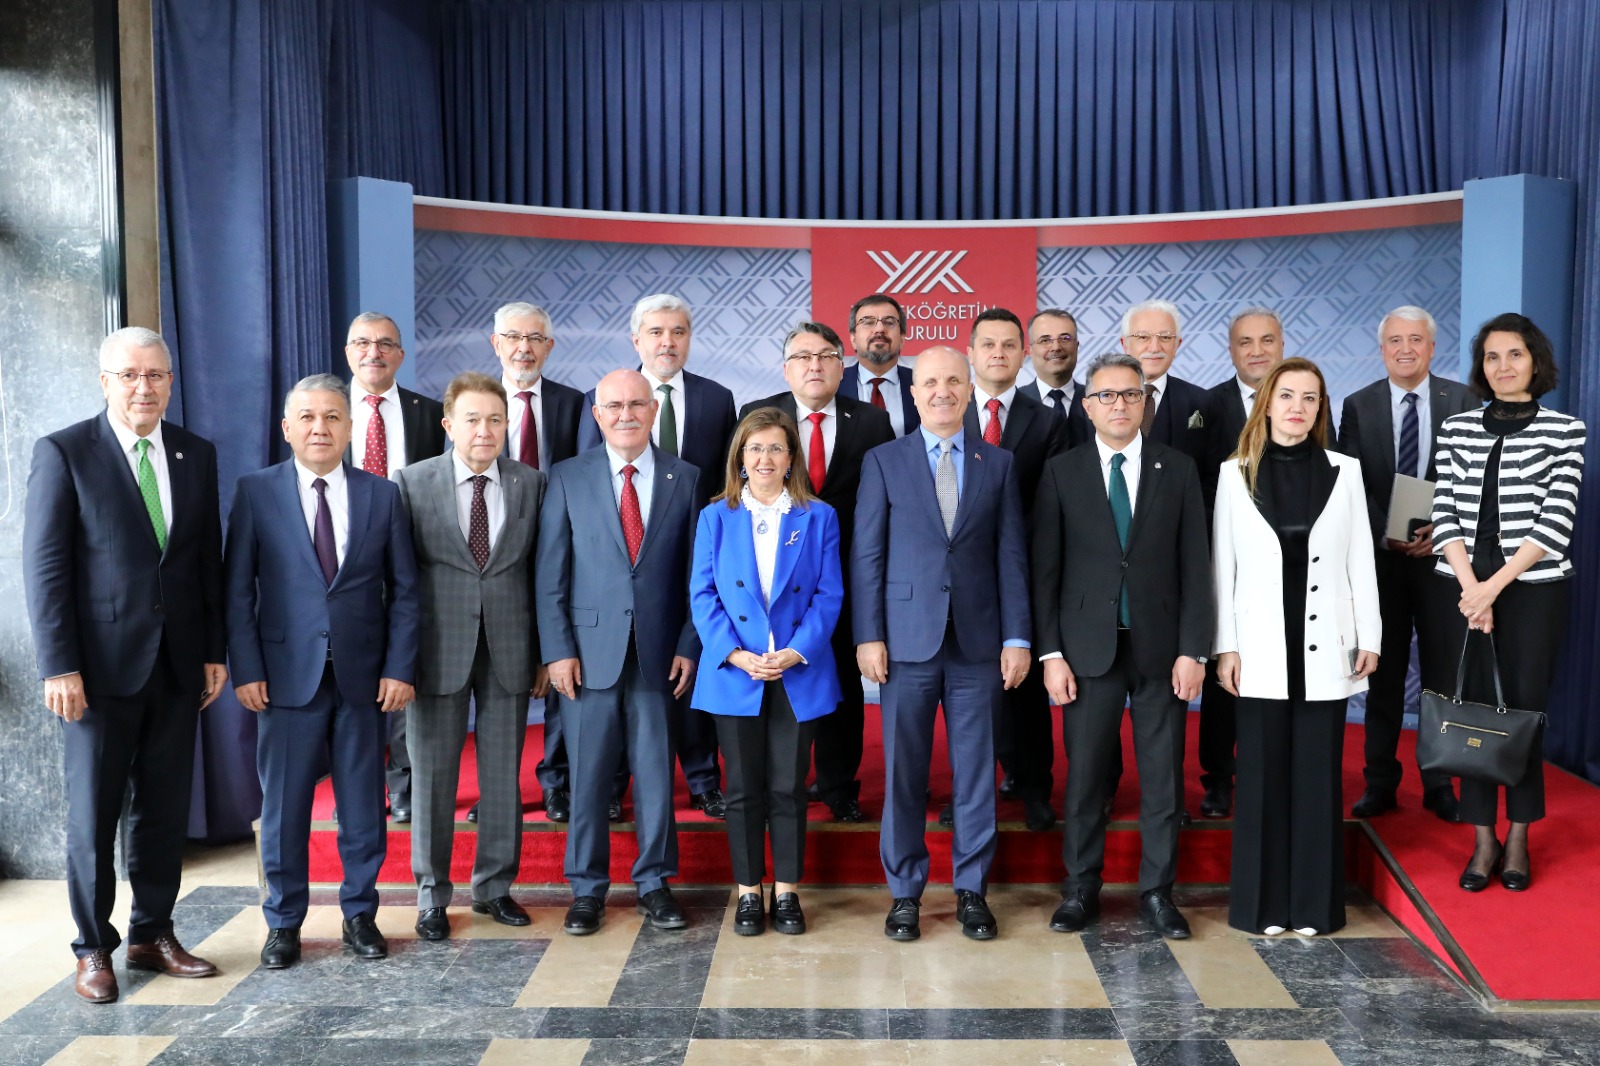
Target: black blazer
1034, 434
1225, 418
851, 386
1079, 428
1079, 566
1366, 432
1180, 419
101, 593
708, 410
422, 418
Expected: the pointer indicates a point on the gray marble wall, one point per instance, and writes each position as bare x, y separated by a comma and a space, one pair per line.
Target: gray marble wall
51, 321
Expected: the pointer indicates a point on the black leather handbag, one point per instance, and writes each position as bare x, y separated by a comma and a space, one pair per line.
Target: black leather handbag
1465, 739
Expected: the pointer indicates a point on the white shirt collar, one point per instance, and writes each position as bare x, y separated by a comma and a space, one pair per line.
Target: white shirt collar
392, 394
334, 477
1398, 394
1245, 391
1131, 453
128, 439
779, 506
513, 388
465, 472
644, 466
803, 410
983, 396
676, 381
1159, 384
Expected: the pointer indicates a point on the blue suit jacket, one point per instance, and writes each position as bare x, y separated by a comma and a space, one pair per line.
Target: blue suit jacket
730, 612
589, 599
709, 420
907, 578
850, 385
283, 617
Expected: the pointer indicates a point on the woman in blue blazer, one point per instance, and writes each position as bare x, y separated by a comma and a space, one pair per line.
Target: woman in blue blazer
765, 593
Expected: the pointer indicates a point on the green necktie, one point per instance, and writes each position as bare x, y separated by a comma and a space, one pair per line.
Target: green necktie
668, 441
151, 493
1122, 515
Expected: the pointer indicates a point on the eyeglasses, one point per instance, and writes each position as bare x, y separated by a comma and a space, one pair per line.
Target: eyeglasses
363, 345
1060, 340
633, 407
130, 378
829, 356
777, 451
873, 322
1129, 396
532, 338
1159, 338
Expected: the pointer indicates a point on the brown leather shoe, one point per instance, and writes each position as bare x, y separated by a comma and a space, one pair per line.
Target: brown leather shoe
96, 981
165, 955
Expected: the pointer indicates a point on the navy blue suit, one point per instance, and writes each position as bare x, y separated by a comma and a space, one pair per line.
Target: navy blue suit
944, 605
139, 624
321, 648
850, 385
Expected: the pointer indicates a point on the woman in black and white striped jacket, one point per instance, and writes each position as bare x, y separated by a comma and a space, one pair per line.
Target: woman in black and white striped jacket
1503, 513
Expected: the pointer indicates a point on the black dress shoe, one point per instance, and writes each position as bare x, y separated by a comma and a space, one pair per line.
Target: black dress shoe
614, 811
401, 815
557, 805
281, 950
847, 811
787, 917
813, 795
1038, 815
662, 910
502, 909
1218, 801
711, 802
947, 815
1441, 800
362, 937
1008, 787
1515, 880
977, 920
1163, 916
750, 917
1077, 910
433, 924
472, 814
1372, 803
903, 922
1184, 821
583, 917
1472, 881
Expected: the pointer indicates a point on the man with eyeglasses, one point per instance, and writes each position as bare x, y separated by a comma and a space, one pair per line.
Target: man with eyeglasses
1053, 349
541, 430
391, 428
122, 564
836, 432
878, 333
1123, 617
1174, 410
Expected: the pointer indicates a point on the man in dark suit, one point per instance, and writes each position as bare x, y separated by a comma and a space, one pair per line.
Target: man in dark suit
878, 334
322, 635
474, 523
939, 578
391, 428
1004, 415
1122, 584
122, 563
1174, 412
694, 421
836, 432
1255, 344
542, 421
615, 540
1053, 349
1390, 426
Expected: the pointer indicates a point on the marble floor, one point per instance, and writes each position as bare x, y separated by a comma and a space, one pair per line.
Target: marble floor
492, 995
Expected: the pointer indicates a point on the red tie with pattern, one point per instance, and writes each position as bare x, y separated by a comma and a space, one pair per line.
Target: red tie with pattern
991, 428
375, 459
817, 461
877, 394
478, 526
632, 521
528, 438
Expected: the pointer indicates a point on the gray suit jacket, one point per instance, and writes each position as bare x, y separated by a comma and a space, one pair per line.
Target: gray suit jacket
455, 595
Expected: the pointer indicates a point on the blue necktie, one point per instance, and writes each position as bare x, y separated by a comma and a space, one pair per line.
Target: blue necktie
1122, 515
1410, 433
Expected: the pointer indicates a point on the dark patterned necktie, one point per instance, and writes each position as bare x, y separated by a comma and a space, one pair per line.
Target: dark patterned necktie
478, 527
1410, 435
322, 535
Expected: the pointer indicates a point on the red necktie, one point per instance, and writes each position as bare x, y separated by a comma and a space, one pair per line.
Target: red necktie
375, 459
478, 523
991, 428
528, 438
632, 522
877, 394
817, 461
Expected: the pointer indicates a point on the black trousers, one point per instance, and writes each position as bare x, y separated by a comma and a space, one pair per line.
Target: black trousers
765, 758
141, 746
839, 735
1408, 595
1218, 731
1288, 829
1023, 739
1529, 624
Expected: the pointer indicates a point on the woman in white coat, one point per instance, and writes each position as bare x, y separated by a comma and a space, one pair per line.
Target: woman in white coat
1298, 631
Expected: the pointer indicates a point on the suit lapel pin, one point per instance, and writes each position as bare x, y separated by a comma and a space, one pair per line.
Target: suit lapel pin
669, 477
177, 455
794, 535
1158, 466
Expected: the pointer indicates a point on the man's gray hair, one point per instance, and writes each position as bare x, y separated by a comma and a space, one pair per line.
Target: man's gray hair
375, 316
661, 301
1152, 305
1109, 361
131, 337
1408, 313
318, 383
522, 309
1254, 312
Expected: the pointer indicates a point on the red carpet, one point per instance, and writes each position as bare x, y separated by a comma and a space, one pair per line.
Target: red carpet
1541, 945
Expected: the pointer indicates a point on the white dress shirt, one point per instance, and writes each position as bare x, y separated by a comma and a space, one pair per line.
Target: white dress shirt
644, 480
980, 401
394, 427
1247, 395
1160, 385
1066, 394
1130, 468
679, 408
830, 433
494, 498
129, 441
765, 520
1397, 408
516, 410
338, 494
893, 401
